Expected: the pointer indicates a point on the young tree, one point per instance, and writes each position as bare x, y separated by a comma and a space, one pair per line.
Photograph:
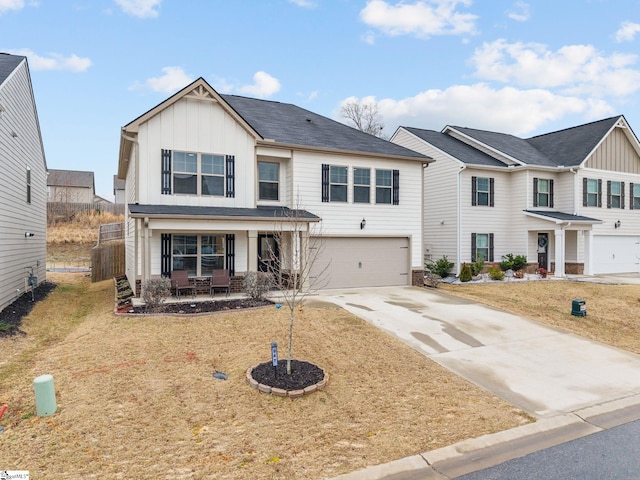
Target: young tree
292, 260
364, 116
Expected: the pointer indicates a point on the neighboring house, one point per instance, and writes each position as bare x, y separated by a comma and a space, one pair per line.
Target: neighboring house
70, 186
23, 199
568, 200
100, 202
210, 178
118, 190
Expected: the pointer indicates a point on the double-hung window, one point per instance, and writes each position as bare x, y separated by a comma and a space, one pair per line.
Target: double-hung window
634, 190
192, 173
212, 174
615, 194
198, 254
337, 184
361, 185
384, 184
542, 192
482, 191
591, 192
482, 247
268, 181
28, 185
185, 173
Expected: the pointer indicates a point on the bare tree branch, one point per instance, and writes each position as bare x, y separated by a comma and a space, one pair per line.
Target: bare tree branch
364, 116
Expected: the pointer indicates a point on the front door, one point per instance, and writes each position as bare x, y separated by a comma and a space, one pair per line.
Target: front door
543, 250
268, 253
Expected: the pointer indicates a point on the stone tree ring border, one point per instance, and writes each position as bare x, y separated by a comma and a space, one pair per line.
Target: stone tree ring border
286, 393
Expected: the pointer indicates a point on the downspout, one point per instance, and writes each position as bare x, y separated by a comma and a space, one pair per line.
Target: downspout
136, 159
459, 222
575, 190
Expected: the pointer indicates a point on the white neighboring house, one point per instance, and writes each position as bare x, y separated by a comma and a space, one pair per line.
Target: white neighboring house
23, 183
210, 176
71, 186
118, 190
569, 200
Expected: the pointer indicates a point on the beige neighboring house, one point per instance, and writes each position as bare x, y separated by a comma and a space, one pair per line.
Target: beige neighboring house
210, 178
568, 200
118, 190
23, 194
70, 186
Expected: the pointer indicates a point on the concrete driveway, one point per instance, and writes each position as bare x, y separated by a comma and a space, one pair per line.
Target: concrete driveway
539, 369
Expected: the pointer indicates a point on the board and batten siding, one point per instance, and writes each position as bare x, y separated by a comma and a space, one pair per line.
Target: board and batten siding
343, 219
199, 126
18, 253
616, 154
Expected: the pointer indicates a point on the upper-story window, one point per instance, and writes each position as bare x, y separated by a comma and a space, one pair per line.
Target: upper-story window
591, 192
28, 185
615, 194
268, 181
337, 184
634, 190
193, 173
361, 185
543, 192
482, 191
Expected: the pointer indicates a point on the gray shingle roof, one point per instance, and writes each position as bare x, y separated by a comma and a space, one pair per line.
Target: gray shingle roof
8, 63
259, 213
70, 178
455, 148
290, 124
565, 217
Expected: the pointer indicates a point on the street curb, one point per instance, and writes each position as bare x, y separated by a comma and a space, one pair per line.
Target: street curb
492, 449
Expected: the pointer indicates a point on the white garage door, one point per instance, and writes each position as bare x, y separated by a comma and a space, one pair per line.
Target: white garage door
616, 254
361, 262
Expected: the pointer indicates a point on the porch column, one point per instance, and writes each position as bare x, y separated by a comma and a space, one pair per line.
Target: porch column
588, 252
252, 251
146, 257
304, 259
559, 251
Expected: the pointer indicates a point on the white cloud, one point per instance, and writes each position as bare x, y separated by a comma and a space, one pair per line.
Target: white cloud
573, 69
507, 110
6, 5
520, 13
54, 61
304, 3
627, 31
264, 85
369, 38
421, 18
173, 79
140, 8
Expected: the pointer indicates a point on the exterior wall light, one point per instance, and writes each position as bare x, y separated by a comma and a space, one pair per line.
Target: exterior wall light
617, 224
363, 223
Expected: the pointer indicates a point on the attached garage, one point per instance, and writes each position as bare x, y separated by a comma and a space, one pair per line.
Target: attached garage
346, 262
616, 254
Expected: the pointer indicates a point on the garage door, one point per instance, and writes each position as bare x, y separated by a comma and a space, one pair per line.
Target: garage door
345, 262
616, 254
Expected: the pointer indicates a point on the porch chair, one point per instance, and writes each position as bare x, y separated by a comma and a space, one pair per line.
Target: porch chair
220, 279
180, 282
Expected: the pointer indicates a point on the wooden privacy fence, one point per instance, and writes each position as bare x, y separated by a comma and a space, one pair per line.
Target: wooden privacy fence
61, 211
107, 261
109, 232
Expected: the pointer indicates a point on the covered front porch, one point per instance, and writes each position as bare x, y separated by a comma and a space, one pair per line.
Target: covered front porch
561, 242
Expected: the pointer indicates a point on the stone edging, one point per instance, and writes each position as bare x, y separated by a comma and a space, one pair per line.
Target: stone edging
279, 392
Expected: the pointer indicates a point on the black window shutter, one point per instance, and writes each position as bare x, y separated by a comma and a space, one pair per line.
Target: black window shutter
608, 193
631, 196
165, 254
551, 193
325, 182
396, 187
600, 192
491, 247
230, 246
535, 192
584, 192
231, 176
491, 191
622, 195
474, 191
473, 247
166, 172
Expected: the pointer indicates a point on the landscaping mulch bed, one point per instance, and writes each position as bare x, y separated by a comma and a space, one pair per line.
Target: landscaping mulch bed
11, 316
303, 374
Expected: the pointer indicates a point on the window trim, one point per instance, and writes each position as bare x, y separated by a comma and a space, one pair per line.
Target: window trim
633, 196
386, 188
345, 185
586, 193
490, 247
199, 253
474, 192
362, 185
28, 182
619, 196
167, 185
277, 182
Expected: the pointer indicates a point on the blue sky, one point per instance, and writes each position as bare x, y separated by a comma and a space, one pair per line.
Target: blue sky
504, 65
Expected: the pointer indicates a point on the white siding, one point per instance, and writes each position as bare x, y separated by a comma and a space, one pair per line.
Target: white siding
18, 254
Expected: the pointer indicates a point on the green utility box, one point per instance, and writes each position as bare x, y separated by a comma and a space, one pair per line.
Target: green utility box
579, 308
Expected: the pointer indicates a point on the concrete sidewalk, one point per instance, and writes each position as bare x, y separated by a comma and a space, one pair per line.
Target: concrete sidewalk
549, 373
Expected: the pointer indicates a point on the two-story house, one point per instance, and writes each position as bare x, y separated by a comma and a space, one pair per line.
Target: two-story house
70, 186
569, 200
23, 199
211, 178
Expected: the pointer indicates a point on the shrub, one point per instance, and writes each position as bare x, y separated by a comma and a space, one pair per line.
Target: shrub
465, 273
257, 284
440, 267
477, 266
495, 273
513, 262
155, 291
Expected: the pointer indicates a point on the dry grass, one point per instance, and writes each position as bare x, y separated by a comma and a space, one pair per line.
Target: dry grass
612, 310
137, 398
81, 230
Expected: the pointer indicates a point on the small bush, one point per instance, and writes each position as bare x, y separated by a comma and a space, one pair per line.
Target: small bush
465, 273
495, 273
257, 284
155, 291
477, 266
513, 262
440, 267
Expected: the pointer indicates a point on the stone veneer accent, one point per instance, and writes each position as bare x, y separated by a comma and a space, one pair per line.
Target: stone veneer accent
417, 278
285, 393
